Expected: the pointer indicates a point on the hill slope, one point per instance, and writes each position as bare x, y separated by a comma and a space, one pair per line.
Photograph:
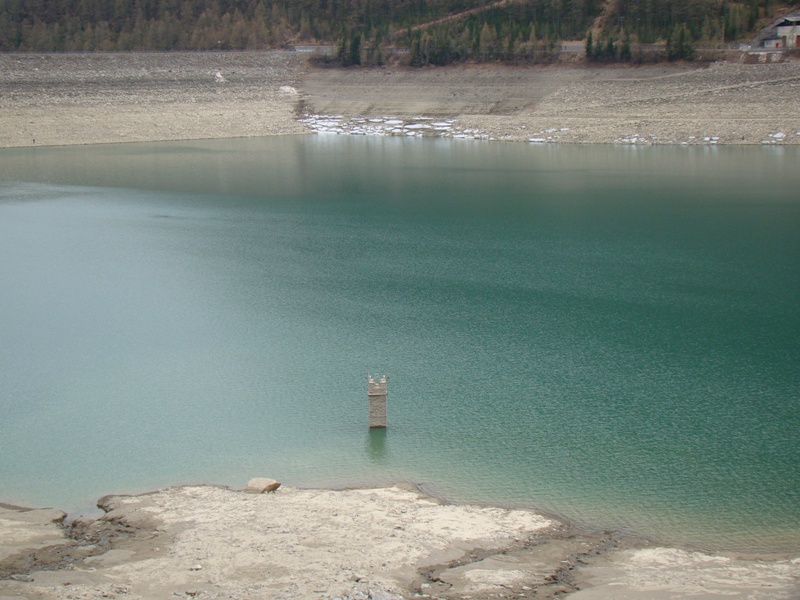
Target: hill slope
438, 31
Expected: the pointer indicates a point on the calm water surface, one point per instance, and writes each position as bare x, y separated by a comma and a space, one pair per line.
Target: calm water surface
609, 333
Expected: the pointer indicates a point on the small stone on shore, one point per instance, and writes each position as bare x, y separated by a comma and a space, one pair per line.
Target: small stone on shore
261, 485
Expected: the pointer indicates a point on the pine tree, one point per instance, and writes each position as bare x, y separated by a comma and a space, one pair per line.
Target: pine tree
354, 54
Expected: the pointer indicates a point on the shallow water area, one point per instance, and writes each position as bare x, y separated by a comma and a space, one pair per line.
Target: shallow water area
609, 333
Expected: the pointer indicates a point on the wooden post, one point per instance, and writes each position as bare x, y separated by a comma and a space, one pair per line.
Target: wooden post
376, 394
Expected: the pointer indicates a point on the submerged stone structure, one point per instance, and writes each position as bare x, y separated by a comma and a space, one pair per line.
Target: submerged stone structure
376, 394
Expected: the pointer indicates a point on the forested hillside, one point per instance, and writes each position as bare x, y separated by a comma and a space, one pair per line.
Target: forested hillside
435, 31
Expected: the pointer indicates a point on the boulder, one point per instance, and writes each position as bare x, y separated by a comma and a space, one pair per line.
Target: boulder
259, 485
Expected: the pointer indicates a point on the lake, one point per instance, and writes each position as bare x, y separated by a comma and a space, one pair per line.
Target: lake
609, 333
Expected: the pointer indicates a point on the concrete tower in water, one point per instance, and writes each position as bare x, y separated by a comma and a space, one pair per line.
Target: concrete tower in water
376, 394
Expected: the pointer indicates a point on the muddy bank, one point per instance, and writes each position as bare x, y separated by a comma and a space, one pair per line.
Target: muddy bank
389, 543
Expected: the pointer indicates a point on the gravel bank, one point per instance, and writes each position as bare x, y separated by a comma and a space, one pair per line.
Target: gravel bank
62, 99
725, 103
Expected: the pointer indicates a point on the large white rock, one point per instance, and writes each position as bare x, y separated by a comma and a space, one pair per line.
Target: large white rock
259, 485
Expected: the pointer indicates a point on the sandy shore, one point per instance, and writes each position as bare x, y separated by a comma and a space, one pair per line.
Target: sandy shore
62, 99
390, 543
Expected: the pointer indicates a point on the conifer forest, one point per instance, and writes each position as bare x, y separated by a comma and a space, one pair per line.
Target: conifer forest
368, 32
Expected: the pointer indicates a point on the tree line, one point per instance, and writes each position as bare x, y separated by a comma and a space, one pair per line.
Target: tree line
363, 30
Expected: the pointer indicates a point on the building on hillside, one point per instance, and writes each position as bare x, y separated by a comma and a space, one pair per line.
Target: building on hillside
789, 31
773, 43
783, 33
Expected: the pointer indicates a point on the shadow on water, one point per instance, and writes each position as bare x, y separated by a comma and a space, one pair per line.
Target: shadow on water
376, 445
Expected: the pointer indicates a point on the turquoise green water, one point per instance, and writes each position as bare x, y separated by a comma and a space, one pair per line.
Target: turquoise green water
612, 334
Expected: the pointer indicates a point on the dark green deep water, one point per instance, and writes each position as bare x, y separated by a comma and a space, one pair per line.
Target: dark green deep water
609, 333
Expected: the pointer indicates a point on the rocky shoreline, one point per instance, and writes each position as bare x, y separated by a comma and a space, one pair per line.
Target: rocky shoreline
386, 543
65, 99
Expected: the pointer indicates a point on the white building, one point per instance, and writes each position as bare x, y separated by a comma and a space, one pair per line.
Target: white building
788, 31
784, 33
